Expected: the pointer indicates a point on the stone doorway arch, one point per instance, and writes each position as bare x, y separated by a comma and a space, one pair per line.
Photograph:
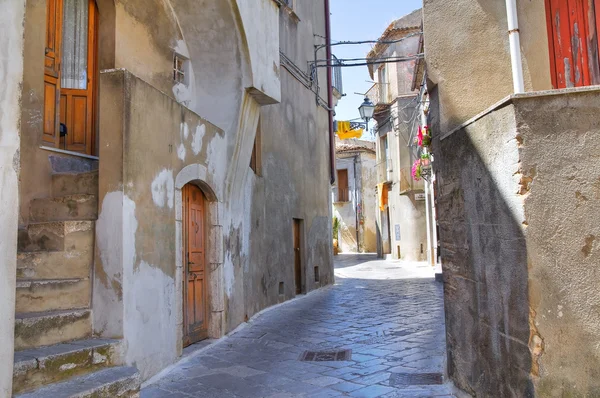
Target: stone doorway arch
197, 175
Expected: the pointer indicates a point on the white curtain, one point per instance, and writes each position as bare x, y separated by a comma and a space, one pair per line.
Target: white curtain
74, 44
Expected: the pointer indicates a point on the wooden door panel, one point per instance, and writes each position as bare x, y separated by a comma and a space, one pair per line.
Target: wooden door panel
297, 256
52, 72
572, 30
50, 99
195, 273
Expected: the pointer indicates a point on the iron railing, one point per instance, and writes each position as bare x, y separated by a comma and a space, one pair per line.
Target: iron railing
378, 95
342, 195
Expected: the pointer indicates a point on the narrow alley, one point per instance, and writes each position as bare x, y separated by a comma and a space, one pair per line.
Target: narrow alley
388, 313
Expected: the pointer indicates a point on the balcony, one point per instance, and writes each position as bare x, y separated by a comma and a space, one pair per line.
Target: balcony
407, 183
379, 95
384, 171
342, 195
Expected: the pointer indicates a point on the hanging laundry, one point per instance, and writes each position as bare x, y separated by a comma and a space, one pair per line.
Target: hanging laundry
345, 132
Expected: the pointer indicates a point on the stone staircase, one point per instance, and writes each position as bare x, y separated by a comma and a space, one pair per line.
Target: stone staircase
56, 354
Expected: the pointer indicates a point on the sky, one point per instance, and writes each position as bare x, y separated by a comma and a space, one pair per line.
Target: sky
358, 20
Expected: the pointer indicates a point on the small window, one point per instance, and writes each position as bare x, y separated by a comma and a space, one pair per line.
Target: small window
343, 191
179, 65
256, 159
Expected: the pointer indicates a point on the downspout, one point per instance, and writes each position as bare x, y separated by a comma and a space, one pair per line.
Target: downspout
329, 93
357, 200
515, 46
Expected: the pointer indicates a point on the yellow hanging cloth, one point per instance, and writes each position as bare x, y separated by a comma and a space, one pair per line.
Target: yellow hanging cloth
345, 132
382, 195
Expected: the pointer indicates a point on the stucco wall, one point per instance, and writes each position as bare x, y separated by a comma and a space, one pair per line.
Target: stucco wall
517, 210
369, 202
560, 152
11, 75
466, 48
294, 183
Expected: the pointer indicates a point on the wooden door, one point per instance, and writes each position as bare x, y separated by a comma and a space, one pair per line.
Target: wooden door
573, 41
52, 71
343, 194
195, 272
298, 255
71, 74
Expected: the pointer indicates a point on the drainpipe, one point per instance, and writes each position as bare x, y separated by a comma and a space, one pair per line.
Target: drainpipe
329, 93
357, 201
515, 46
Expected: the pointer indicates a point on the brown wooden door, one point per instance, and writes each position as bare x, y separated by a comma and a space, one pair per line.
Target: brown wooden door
52, 71
195, 273
573, 41
298, 255
343, 194
71, 74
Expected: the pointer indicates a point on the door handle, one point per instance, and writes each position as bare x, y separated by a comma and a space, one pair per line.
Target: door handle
191, 263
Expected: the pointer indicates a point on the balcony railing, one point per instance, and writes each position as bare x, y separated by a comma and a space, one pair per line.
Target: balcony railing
342, 195
407, 183
337, 75
378, 96
384, 171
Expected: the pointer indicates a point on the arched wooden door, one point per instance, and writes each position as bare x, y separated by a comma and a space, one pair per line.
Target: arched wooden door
195, 291
70, 75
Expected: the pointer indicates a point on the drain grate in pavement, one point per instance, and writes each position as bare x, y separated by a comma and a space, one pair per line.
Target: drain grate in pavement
415, 379
325, 356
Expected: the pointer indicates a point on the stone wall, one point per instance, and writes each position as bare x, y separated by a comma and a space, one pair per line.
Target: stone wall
518, 230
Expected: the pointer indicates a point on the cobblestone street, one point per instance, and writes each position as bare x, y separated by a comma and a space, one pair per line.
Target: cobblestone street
390, 314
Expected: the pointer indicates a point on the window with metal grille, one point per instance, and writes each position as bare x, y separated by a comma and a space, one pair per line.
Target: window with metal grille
179, 69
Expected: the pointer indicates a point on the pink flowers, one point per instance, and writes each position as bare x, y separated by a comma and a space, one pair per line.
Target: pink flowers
416, 170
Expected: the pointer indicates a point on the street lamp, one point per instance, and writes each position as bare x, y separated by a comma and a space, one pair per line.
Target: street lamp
366, 109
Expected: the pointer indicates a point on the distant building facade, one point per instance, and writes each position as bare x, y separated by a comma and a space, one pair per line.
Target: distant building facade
402, 212
354, 197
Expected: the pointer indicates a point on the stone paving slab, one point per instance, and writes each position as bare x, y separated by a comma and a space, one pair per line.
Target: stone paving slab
389, 313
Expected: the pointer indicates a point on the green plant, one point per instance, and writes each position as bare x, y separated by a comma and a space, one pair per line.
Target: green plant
336, 227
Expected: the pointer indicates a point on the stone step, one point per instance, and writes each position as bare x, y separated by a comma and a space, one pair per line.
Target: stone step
52, 295
70, 207
55, 265
47, 365
57, 236
75, 183
47, 328
119, 382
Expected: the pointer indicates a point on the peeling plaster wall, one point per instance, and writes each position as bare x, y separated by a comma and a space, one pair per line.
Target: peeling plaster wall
559, 175
137, 278
11, 75
518, 210
466, 48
